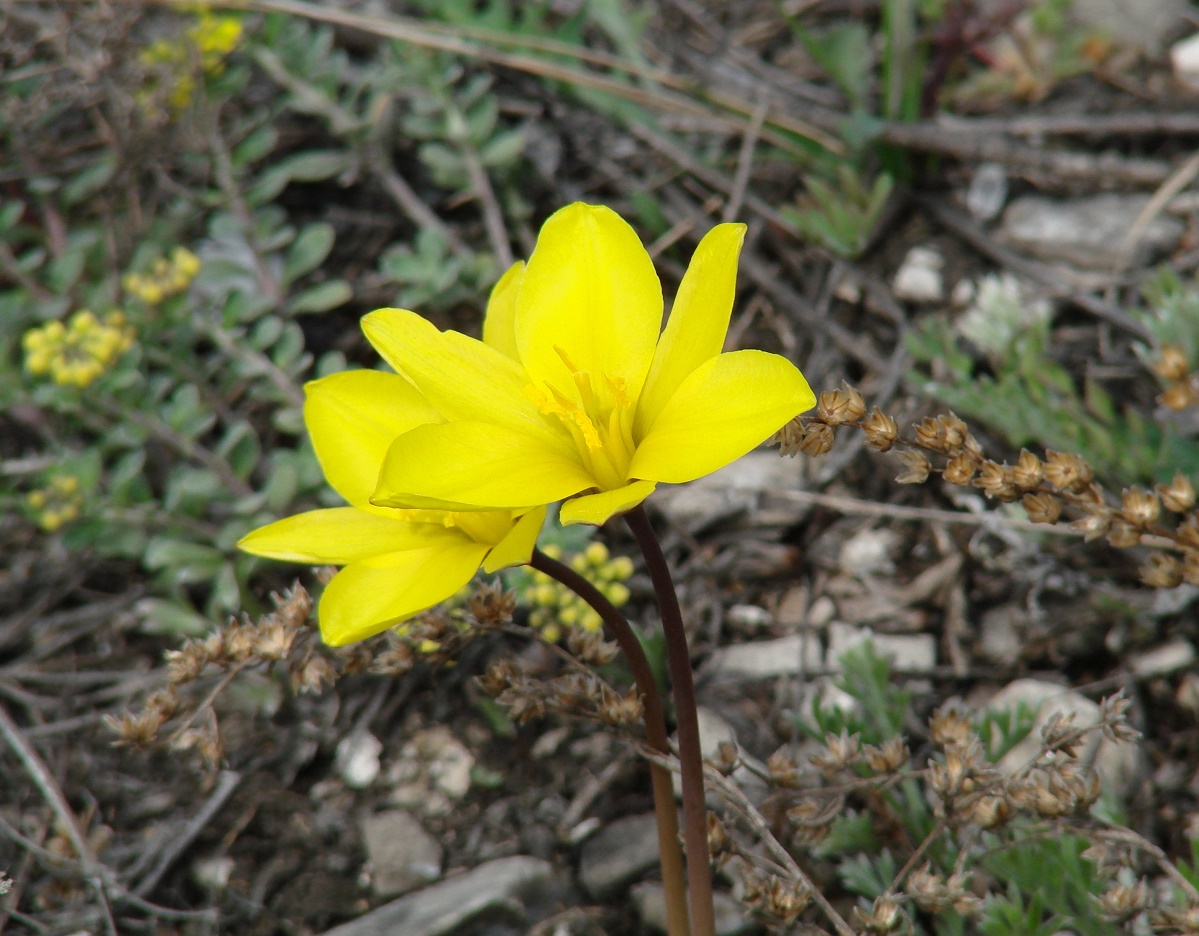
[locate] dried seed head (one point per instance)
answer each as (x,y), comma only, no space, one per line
(988,812)
(1041,507)
(274,639)
(617,709)
(1122,902)
(881,430)
(950,725)
(134,729)
(1190,567)
(1067,472)
(817,440)
(186,664)
(995,481)
(885,914)
(1171,363)
(313,675)
(774,898)
(783,770)
(841,751)
(294,606)
(930,435)
(491,606)
(888,758)
(841,406)
(816,812)
(955,431)
(1096,523)
(1028,472)
(240,641)
(1161,570)
(915,467)
(1123,534)
(1113,714)
(590,647)
(1188,531)
(726,757)
(789,437)
(959,469)
(1140,507)
(718,838)
(1059,733)
(1180,396)
(1179,495)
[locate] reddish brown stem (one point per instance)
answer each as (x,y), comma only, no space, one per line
(620,630)
(695,809)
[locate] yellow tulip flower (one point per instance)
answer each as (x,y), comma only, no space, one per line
(397,562)
(574,390)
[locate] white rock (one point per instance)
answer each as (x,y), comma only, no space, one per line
(402,855)
(649,900)
(747,615)
(1168,658)
(987,192)
(766,659)
(908,653)
(1138,24)
(963,293)
(739,488)
(357,759)
(1118,763)
(213,873)
(918,278)
(1000,639)
(1088,232)
(868,553)
(1184,59)
(445,906)
(617,854)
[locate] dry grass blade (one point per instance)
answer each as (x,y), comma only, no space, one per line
(479,44)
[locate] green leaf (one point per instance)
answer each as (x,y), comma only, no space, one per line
(308,251)
(312,166)
(91,180)
(257,145)
(503,149)
(169,618)
(321,298)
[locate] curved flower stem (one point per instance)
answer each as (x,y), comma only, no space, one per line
(618,627)
(695,810)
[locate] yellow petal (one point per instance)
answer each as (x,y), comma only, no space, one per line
(367,597)
(474,465)
(727,406)
(352,418)
(499,329)
(599,508)
(590,290)
(698,322)
(339,536)
(461,376)
(517,546)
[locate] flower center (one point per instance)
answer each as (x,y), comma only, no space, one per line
(599,417)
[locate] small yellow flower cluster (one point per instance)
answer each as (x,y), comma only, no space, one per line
(555,605)
(56,504)
(76,353)
(166,278)
(203,49)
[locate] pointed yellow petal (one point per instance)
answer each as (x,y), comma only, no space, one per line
(698,321)
(339,536)
(727,406)
(461,376)
(517,546)
(598,508)
(475,465)
(499,328)
(367,597)
(352,418)
(589,289)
